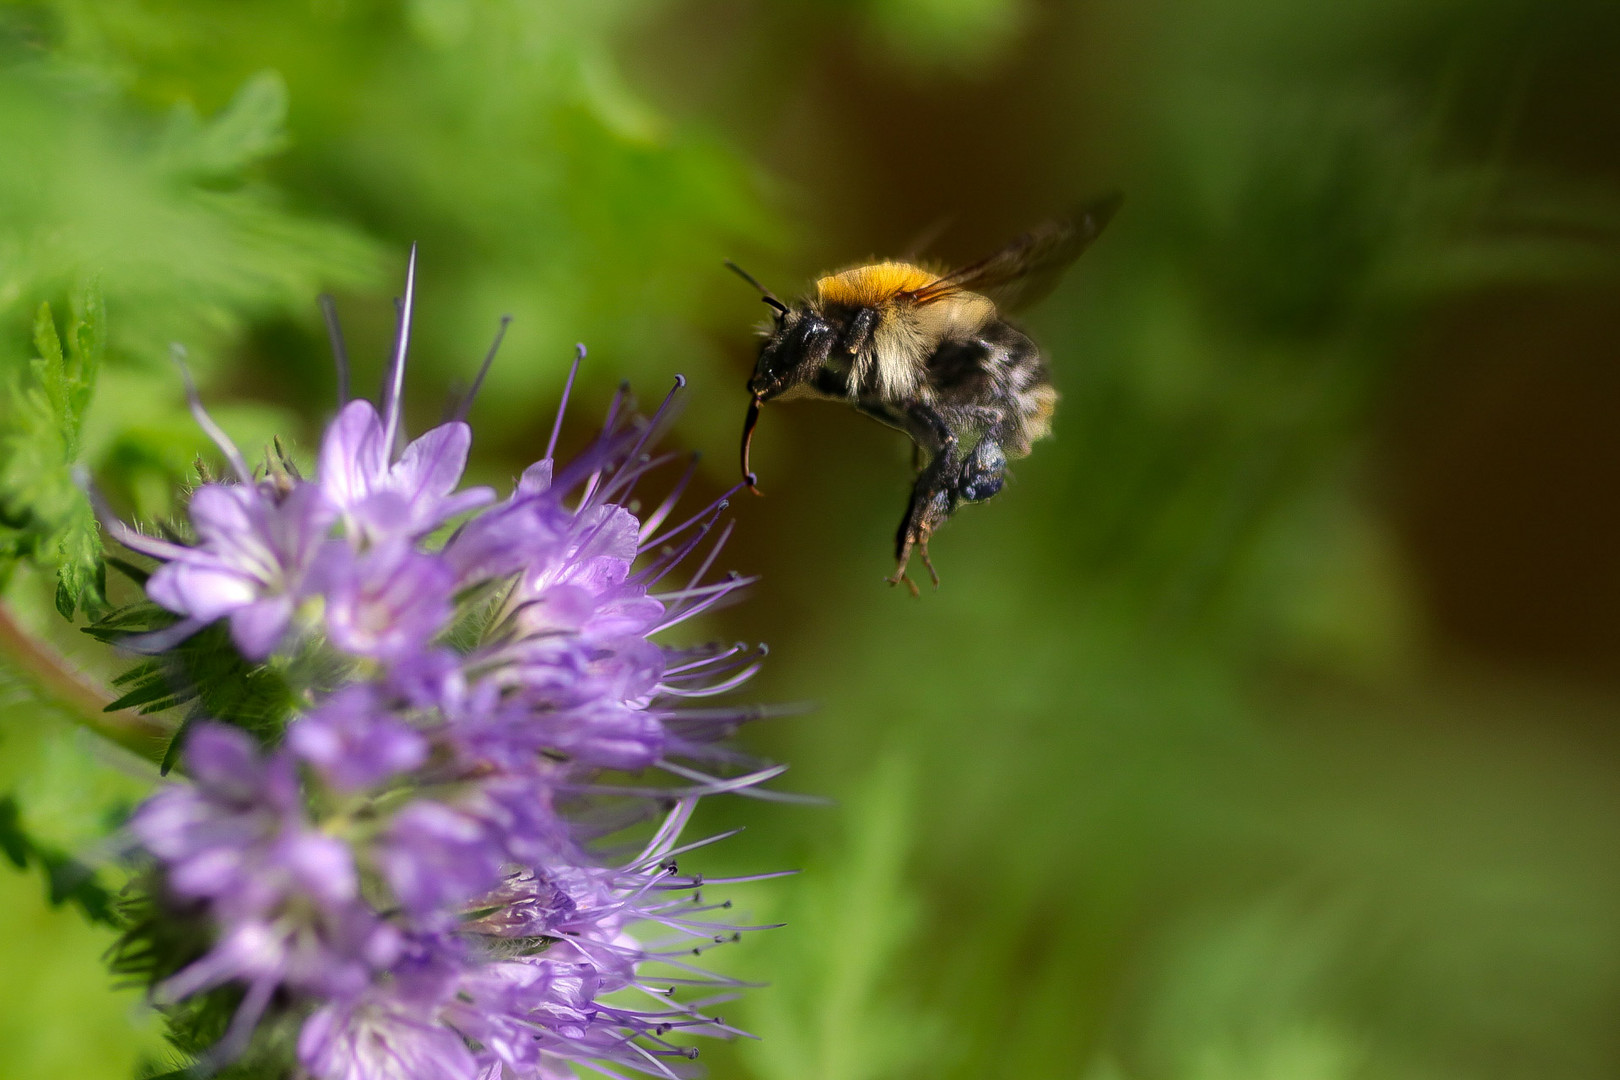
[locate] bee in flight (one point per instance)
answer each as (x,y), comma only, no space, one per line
(931,355)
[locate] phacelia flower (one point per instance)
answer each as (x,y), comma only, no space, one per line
(404,866)
(381,497)
(256,548)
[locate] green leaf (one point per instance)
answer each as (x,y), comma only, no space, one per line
(81,575)
(44,514)
(45,339)
(87,344)
(50,368)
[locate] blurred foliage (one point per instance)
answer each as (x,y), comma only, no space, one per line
(1167,782)
(500,135)
(837,1018)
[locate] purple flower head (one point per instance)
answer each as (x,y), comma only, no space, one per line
(414,874)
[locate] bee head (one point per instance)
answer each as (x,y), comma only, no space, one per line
(798,341)
(794,347)
(792,352)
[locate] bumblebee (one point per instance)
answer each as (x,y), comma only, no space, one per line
(931,355)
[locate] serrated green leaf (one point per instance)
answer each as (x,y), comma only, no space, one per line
(50,368)
(44,515)
(45,338)
(68,880)
(87,343)
(139,671)
(171,753)
(81,574)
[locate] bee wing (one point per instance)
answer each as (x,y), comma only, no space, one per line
(1027,269)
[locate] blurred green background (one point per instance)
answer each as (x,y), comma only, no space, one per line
(1264,729)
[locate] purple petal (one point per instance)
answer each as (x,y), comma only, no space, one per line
(536,479)
(305,517)
(436,857)
(214,872)
(225,511)
(322,865)
(462,501)
(201,587)
(504,540)
(387,514)
(352,455)
(258,628)
(224,759)
(353,744)
(431,466)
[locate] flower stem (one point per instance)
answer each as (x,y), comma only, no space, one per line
(55,678)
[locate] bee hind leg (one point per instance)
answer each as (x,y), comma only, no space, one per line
(900,576)
(928,564)
(907,542)
(983,473)
(932,500)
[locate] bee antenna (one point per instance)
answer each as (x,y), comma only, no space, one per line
(764,293)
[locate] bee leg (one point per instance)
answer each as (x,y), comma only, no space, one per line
(900,575)
(928,429)
(983,473)
(928,564)
(932,500)
(934,493)
(904,540)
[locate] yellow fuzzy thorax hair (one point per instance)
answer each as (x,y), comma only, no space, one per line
(874,285)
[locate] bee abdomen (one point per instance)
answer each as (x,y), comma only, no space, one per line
(1002,368)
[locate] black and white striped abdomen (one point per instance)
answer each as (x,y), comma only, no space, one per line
(998,368)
